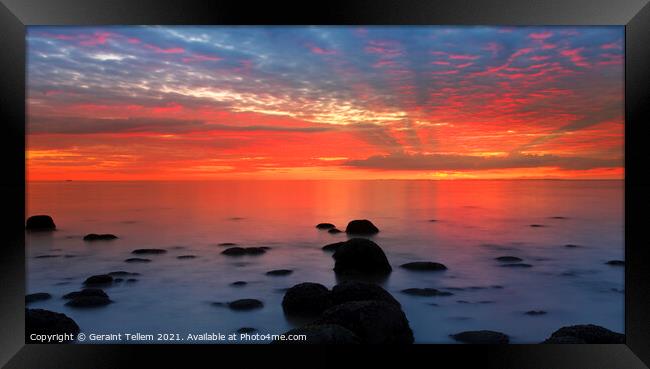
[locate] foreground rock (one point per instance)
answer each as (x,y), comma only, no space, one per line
(426,292)
(326,334)
(334,231)
(148,251)
(361,256)
(99,237)
(350,291)
(325,226)
(333,246)
(306,300)
(424,266)
(101,279)
(239,251)
(88,297)
(374,322)
(39,321)
(361,226)
(481,337)
(40,223)
(39,296)
(588,333)
(246,304)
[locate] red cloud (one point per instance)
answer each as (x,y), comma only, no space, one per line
(320,51)
(159,50)
(201,58)
(575,57)
(540,35)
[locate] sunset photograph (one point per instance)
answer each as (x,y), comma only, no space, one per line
(325,184)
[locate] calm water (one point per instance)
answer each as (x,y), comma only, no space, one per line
(476,222)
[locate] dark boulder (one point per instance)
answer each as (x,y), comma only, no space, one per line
(424,266)
(426,292)
(516,265)
(374,322)
(227,244)
(508,259)
(137,260)
(334,231)
(537,225)
(349,291)
(361,256)
(101,279)
(588,333)
(86,292)
(481,337)
(325,226)
(279,272)
(246,304)
(535,312)
(306,299)
(323,334)
(239,283)
(40,223)
(185,257)
(39,296)
(571,246)
(361,226)
(121,273)
(39,321)
(148,251)
(239,251)
(616,263)
(88,301)
(333,246)
(99,237)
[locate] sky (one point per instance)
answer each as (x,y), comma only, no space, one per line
(399,102)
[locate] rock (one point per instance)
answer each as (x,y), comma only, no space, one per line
(558,217)
(535,312)
(39,296)
(86,292)
(246,304)
(227,244)
(122,273)
(571,246)
(239,251)
(374,322)
(426,292)
(333,246)
(481,337)
(184,257)
(516,265)
(334,231)
(148,251)
(537,225)
(88,301)
(362,226)
(118,280)
(239,283)
(99,279)
(588,333)
(424,266)
(246,330)
(361,256)
(40,223)
(325,226)
(349,291)
(39,321)
(137,260)
(323,334)
(279,272)
(131,280)
(508,259)
(99,237)
(48,256)
(616,263)
(306,299)
(433,220)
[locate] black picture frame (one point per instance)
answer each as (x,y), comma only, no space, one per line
(15,15)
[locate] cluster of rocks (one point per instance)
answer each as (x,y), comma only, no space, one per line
(352,312)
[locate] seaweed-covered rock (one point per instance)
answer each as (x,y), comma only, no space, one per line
(587,333)
(374,322)
(481,337)
(361,226)
(361,256)
(40,223)
(39,321)
(306,299)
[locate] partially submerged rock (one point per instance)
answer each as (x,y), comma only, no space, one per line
(99,237)
(426,292)
(246,304)
(424,266)
(325,226)
(100,279)
(148,251)
(185,257)
(137,260)
(334,231)
(361,256)
(39,321)
(535,312)
(333,246)
(239,251)
(508,259)
(516,265)
(279,272)
(306,299)
(587,333)
(362,227)
(481,337)
(616,263)
(39,296)
(40,223)
(122,273)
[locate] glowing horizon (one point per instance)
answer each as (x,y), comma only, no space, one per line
(182,103)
